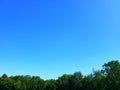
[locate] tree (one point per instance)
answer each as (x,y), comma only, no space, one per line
(98,81)
(75,81)
(111,71)
(50,85)
(6,83)
(63,82)
(36,83)
(106,79)
(87,82)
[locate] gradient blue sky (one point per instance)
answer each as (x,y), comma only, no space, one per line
(51,37)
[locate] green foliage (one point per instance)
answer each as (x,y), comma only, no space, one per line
(106,79)
(112,72)
(63,82)
(75,81)
(50,85)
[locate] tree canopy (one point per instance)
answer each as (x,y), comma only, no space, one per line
(106,79)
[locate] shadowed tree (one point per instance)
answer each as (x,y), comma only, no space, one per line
(50,85)
(111,71)
(75,81)
(63,82)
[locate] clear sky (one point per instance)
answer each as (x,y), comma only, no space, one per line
(48,38)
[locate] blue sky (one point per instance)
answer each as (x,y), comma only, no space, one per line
(51,37)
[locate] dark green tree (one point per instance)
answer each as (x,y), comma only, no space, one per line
(63,82)
(6,83)
(75,81)
(98,81)
(50,85)
(87,82)
(36,83)
(111,71)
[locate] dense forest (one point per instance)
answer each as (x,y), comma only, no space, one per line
(106,79)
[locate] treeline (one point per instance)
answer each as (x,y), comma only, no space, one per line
(106,79)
